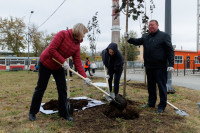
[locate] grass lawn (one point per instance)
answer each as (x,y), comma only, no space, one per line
(17,87)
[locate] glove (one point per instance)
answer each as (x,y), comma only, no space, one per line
(126,36)
(107,76)
(170,69)
(66,66)
(87,81)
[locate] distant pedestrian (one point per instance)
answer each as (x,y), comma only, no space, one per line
(87,66)
(93,67)
(36,68)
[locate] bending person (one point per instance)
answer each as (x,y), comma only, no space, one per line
(114,62)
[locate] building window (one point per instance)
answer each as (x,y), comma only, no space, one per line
(178,59)
(196,60)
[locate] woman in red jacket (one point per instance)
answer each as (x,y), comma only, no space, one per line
(65,43)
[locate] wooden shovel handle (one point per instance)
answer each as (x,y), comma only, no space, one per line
(106,79)
(83,78)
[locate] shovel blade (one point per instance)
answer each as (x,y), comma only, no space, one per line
(107,98)
(110,98)
(181,112)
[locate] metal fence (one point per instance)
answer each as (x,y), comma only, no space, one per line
(187,67)
(130,65)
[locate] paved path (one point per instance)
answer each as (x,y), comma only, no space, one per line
(188,81)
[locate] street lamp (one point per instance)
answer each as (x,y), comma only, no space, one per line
(29,38)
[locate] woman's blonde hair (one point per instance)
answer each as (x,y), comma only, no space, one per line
(79,30)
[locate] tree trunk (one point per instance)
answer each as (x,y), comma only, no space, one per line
(125,60)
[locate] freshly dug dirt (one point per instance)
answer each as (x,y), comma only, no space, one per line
(51,105)
(77,104)
(130,112)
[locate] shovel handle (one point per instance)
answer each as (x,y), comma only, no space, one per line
(106,79)
(172,105)
(84,78)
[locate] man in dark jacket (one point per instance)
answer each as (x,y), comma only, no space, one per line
(114,61)
(158,59)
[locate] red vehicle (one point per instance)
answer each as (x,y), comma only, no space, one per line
(18,63)
(199,55)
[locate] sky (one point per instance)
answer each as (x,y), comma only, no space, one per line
(184,18)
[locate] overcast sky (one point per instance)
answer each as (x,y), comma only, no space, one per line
(184,18)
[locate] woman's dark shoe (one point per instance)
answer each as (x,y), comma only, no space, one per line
(32,117)
(159,111)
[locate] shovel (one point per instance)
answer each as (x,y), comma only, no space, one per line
(178,111)
(111,94)
(117,102)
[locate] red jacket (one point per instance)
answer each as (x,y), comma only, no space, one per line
(61,47)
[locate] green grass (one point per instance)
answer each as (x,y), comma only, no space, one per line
(16,91)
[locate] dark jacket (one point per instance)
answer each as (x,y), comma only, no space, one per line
(71,63)
(115,62)
(158,50)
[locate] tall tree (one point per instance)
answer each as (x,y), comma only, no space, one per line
(131,49)
(134,9)
(36,40)
(94,30)
(12,32)
(46,40)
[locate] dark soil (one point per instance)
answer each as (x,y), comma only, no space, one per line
(77,104)
(108,118)
(51,105)
(111,111)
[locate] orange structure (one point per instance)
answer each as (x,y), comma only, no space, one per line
(186,59)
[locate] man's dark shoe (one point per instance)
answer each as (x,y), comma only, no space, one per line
(147,105)
(69,118)
(32,117)
(159,111)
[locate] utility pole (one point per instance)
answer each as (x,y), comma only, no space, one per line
(198,24)
(29,39)
(170,89)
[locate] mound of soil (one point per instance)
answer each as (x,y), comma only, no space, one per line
(129,113)
(51,105)
(77,104)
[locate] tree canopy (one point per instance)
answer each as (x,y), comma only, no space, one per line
(132,50)
(12,33)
